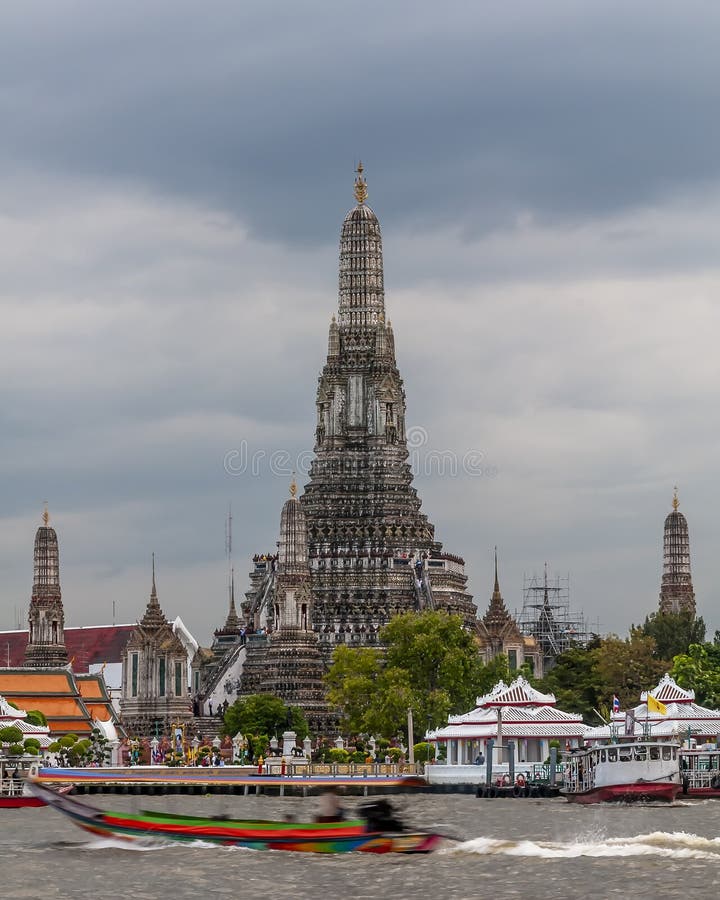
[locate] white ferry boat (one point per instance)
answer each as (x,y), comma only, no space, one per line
(626,771)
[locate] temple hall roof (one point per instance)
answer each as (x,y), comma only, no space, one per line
(524,712)
(86,646)
(682,714)
(54,692)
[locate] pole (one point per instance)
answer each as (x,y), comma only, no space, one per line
(489,746)
(511,761)
(553,765)
(499,734)
(411,748)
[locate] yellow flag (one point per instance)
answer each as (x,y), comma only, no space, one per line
(654,705)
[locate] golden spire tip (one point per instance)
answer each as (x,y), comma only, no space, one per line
(360,190)
(293,487)
(676,502)
(46,514)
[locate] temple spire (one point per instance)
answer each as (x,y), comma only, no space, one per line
(232,623)
(292,547)
(676,592)
(154,616)
(361,289)
(497,615)
(153,591)
(46,618)
(360,190)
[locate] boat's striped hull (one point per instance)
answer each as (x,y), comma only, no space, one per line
(326,837)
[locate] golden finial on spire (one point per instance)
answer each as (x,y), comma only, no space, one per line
(361,190)
(676,502)
(46,514)
(293,487)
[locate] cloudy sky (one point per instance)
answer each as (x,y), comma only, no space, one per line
(173,177)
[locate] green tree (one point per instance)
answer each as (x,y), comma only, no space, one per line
(673,633)
(73,751)
(576,683)
(394,695)
(264,714)
(10,734)
(424,752)
(430,665)
(36,717)
(440,654)
(498,669)
(627,667)
(352,683)
(699,670)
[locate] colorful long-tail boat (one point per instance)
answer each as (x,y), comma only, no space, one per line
(379,832)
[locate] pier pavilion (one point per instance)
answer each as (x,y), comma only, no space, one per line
(515,712)
(684,717)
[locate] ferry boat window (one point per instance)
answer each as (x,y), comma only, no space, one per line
(666,752)
(654,753)
(674,752)
(603,756)
(625,754)
(612,754)
(640,752)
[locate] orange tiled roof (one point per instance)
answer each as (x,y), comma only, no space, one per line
(54,692)
(94,693)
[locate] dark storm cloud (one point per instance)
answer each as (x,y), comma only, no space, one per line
(467,113)
(172,178)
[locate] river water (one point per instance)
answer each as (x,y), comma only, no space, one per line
(509,848)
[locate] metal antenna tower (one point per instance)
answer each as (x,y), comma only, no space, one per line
(228,549)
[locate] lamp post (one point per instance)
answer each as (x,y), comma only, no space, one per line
(411,737)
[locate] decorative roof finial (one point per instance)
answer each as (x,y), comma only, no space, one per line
(293,487)
(153,592)
(497,584)
(676,502)
(46,514)
(360,190)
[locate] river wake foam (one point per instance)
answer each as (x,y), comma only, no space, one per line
(669,845)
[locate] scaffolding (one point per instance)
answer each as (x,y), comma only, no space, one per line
(546,616)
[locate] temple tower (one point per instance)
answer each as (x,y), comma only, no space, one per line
(676,591)
(372,552)
(155,678)
(499,632)
(288,662)
(46,619)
